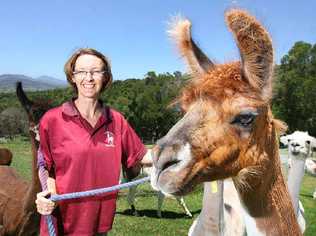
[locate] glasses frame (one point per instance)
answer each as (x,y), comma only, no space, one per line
(83,74)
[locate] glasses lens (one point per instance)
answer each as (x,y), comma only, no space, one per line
(97,74)
(80,74)
(84,74)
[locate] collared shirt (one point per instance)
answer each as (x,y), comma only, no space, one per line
(82,158)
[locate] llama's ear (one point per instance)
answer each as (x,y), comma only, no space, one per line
(313,142)
(26,103)
(180,31)
(255,46)
(285,140)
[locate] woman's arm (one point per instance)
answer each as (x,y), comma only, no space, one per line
(51,185)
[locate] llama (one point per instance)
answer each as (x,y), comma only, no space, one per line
(220,214)
(310,166)
(228,129)
(300,146)
(160,198)
(18,215)
(5,156)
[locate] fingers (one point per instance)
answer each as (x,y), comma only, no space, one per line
(45,211)
(44,206)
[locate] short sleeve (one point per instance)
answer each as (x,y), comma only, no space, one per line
(44,144)
(132,147)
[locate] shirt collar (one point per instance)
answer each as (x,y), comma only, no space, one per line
(69,109)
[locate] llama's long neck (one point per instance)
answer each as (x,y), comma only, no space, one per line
(35,186)
(295,177)
(211,219)
(271,209)
(30,219)
(266,199)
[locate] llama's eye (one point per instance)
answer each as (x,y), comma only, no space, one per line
(245,119)
(308,142)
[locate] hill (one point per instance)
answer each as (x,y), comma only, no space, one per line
(8,81)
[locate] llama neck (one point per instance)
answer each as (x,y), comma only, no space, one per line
(266,199)
(30,219)
(35,186)
(271,209)
(211,219)
(295,177)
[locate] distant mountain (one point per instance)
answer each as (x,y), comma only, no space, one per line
(8,81)
(52,80)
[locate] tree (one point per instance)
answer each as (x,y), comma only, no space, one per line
(13,121)
(295,88)
(143,102)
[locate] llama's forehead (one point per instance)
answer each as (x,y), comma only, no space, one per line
(225,71)
(224,87)
(299,136)
(226,80)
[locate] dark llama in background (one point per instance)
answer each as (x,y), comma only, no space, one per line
(5,156)
(18,215)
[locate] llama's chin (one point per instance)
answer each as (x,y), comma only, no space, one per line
(173,171)
(296,153)
(172,181)
(164,181)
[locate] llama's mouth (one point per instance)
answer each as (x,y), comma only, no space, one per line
(295,152)
(172,182)
(163,178)
(172,175)
(170,165)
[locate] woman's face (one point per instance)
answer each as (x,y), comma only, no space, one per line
(88,76)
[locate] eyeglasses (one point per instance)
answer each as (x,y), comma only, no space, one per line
(82,74)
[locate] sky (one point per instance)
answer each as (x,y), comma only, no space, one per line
(37,37)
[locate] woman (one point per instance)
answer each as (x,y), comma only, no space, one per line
(84,144)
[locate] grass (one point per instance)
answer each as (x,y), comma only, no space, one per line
(22,155)
(174,221)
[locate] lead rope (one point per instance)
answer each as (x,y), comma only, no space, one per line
(56,197)
(43,175)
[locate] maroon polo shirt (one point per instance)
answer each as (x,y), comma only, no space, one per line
(83,158)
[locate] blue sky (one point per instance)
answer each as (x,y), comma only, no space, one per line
(37,37)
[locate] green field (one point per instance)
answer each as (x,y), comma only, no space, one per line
(174,221)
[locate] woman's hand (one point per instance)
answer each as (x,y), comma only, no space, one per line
(44,206)
(147,160)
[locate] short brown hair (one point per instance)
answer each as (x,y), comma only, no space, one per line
(70,66)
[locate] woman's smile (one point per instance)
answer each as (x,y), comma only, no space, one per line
(88,86)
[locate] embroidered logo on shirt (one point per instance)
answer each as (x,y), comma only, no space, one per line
(109,139)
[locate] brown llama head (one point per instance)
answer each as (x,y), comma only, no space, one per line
(227,129)
(34,110)
(5,156)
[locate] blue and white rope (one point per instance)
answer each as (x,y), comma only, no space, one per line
(59,197)
(43,175)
